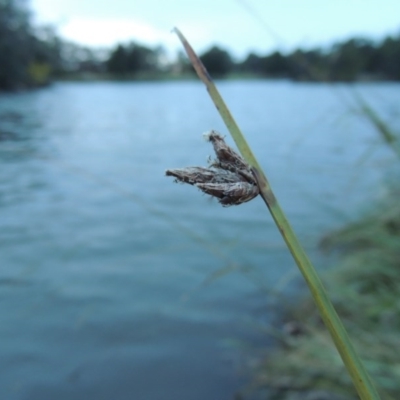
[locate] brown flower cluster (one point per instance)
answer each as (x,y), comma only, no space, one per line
(228,178)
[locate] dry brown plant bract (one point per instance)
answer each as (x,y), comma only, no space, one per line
(228,178)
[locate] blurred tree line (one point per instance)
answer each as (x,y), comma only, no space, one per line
(26,54)
(352,60)
(33,56)
(355,59)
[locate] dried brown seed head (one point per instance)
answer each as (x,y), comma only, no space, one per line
(230,193)
(228,159)
(193,175)
(229,177)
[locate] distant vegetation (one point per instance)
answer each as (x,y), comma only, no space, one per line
(26,54)
(33,56)
(352,60)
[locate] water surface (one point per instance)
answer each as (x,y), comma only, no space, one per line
(113,280)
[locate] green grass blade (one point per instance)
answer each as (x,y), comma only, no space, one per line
(353,363)
(387,135)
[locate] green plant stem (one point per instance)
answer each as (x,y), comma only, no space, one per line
(387,135)
(353,363)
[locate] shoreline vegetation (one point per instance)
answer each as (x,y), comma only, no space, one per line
(34,56)
(366,62)
(365,284)
(171,77)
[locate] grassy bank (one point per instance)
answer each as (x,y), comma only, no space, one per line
(365,287)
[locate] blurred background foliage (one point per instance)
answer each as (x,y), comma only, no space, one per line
(34,55)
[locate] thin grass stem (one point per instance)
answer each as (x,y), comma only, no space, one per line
(353,363)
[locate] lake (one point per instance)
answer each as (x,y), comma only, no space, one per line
(117,283)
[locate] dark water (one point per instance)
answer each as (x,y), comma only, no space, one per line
(116,283)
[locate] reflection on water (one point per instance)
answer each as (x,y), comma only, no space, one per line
(116,283)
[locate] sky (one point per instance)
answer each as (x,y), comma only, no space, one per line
(240,26)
